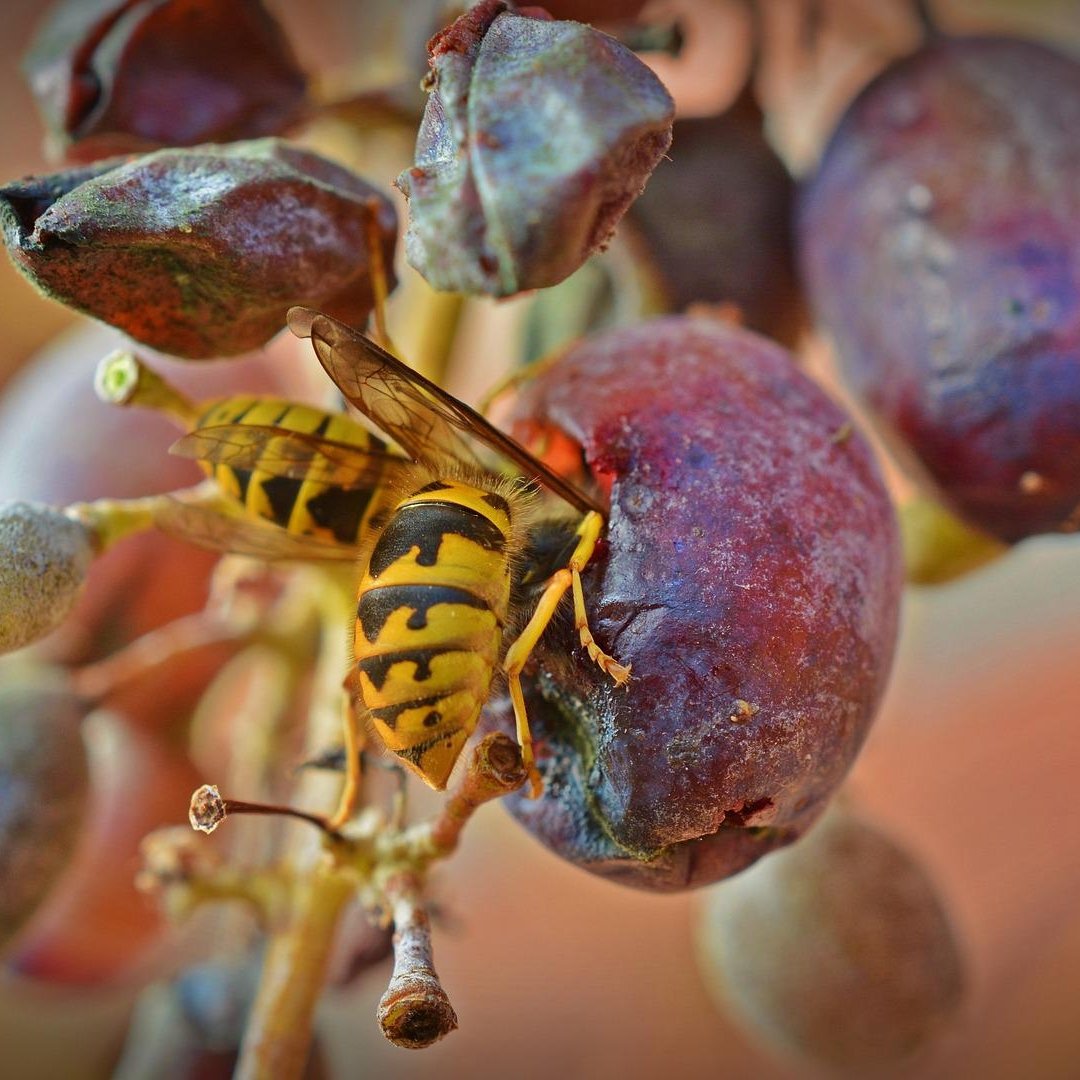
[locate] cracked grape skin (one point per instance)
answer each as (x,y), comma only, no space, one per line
(939,243)
(750,574)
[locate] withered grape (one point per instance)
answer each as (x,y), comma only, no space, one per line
(838,950)
(43,792)
(750,575)
(941,243)
(536,137)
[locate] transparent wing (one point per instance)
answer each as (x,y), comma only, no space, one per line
(224,526)
(428,423)
(295,454)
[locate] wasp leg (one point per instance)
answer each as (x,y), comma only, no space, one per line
(588,532)
(354,740)
(569,577)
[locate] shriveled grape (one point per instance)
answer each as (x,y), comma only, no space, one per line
(838,949)
(43,787)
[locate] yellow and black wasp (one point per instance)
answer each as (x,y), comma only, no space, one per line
(440,535)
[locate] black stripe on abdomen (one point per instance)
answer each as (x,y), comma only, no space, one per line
(376,668)
(388,714)
(423,525)
(378,604)
(340,510)
(282,493)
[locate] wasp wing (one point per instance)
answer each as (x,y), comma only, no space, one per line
(428,423)
(294,454)
(224,526)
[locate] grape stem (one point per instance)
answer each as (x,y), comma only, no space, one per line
(278,1036)
(390,869)
(415,1010)
(927,22)
(196,631)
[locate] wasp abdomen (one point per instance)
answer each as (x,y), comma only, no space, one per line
(430,616)
(298,505)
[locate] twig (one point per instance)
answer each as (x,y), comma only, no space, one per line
(278,1037)
(495,769)
(427,324)
(123,379)
(94,681)
(415,1011)
(110,520)
(378,276)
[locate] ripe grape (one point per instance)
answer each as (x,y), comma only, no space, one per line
(939,240)
(750,575)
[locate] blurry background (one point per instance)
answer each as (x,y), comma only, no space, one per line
(971,765)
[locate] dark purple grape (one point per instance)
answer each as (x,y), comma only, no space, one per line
(715,218)
(119,75)
(941,244)
(751,576)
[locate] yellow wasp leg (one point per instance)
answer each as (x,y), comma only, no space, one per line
(520,651)
(350,791)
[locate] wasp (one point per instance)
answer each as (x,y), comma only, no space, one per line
(442,534)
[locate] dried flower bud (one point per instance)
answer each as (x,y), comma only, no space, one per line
(45,559)
(170,856)
(201,252)
(43,786)
(837,949)
(537,136)
(207,810)
(119,75)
